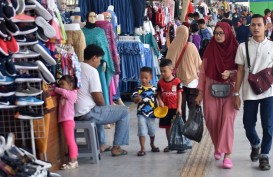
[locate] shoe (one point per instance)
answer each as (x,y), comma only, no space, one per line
(3,47)
(45,53)
(24,40)
(8,10)
(28,54)
(70,165)
(5,80)
(28,65)
(119,152)
(40,10)
(7,90)
(12,45)
(10,68)
(217,155)
(255,153)
(23,18)
(26,78)
(227,163)
(28,115)
(28,101)
(45,73)
(7,102)
(27,91)
(15,4)
(40,35)
(264,163)
(48,30)
(26,28)
(11,27)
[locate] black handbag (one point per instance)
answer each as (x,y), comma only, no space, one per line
(220,89)
(261,81)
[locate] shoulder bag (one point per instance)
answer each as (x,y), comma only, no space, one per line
(220,90)
(180,58)
(261,81)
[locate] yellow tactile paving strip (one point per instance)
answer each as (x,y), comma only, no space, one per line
(197,162)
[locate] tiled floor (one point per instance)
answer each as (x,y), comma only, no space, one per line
(167,164)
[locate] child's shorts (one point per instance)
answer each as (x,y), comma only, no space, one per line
(146,125)
(167,121)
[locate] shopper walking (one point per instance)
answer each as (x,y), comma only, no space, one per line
(219,67)
(261,57)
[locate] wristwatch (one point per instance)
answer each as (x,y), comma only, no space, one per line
(236,94)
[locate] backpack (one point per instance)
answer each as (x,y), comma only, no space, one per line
(203,46)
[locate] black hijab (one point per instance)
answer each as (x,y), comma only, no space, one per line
(88,24)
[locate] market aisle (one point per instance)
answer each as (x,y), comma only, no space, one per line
(152,165)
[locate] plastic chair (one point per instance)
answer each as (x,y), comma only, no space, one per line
(91,140)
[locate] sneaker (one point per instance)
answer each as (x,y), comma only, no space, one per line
(23,50)
(15,4)
(23,18)
(45,53)
(8,10)
(28,65)
(27,54)
(70,165)
(10,68)
(26,78)
(46,74)
(264,163)
(3,47)
(217,155)
(12,45)
(20,38)
(7,90)
(11,27)
(28,101)
(255,153)
(28,91)
(29,114)
(7,102)
(26,28)
(6,80)
(48,30)
(40,35)
(40,10)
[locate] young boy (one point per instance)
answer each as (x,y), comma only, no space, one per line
(169,93)
(144,96)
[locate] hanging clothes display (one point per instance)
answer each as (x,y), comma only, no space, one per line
(123,10)
(97,36)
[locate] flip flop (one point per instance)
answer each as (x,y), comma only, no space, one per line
(109,148)
(141,153)
(155,149)
(166,149)
(122,152)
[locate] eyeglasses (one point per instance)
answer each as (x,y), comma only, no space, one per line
(108,17)
(218,33)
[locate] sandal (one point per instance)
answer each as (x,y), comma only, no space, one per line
(166,149)
(155,149)
(70,165)
(141,153)
(120,152)
(109,148)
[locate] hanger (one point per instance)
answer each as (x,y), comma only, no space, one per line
(129,38)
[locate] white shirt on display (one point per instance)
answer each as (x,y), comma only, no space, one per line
(261,57)
(90,82)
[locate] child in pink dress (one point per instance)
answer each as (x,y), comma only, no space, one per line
(66,117)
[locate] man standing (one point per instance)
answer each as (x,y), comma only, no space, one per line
(261,57)
(90,105)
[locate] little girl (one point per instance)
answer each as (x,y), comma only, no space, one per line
(66,117)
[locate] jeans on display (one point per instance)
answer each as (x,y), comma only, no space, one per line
(250,119)
(138,9)
(188,98)
(102,115)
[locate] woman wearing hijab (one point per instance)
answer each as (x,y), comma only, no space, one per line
(219,67)
(188,69)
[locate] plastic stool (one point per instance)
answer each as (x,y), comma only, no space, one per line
(91,139)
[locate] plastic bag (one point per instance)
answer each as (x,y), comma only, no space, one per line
(193,128)
(177,141)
